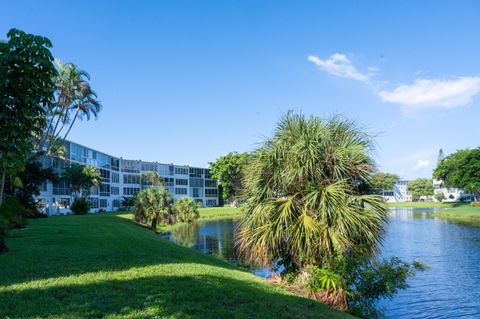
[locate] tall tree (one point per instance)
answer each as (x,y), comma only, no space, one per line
(461,169)
(27,87)
(302,204)
(81,178)
(153,206)
(229,170)
(383,182)
(420,187)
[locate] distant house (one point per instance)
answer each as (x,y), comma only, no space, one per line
(451,194)
(398,193)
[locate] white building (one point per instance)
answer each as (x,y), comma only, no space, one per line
(451,194)
(121,178)
(399,192)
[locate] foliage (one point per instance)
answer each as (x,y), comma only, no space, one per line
(461,169)
(4,227)
(382,181)
(439,196)
(14,212)
(303,206)
(475,204)
(31,178)
(186,209)
(420,187)
(129,201)
(229,170)
(80,206)
(323,279)
(81,178)
(26,82)
(153,206)
(73,96)
(151,179)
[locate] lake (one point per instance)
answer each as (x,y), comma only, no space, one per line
(449,289)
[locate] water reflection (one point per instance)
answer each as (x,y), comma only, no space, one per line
(449,289)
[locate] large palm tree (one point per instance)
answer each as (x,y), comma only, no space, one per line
(152,206)
(303,201)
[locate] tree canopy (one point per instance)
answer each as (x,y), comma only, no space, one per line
(420,187)
(229,170)
(27,91)
(461,169)
(382,181)
(81,178)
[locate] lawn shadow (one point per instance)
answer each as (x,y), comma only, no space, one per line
(206,296)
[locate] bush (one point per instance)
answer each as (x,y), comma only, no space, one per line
(4,227)
(153,206)
(13,212)
(186,210)
(440,196)
(80,206)
(475,204)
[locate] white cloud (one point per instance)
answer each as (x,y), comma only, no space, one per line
(339,65)
(422,164)
(431,93)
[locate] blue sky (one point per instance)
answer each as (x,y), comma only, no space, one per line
(188,81)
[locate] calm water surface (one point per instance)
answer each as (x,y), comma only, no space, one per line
(449,289)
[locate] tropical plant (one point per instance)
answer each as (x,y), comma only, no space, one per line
(229,170)
(420,187)
(73,97)
(80,206)
(186,210)
(27,87)
(461,170)
(302,201)
(81,178)
(4,226)
(150,179)
(153,206)
(439,196)
(14,212)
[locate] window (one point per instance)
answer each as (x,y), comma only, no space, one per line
(211,202)
(197,192)
(115,164)
(207,173)
(149,166)
(115,177)
(62,202)
(104,189)
(62,188)
(44,187)
(210,192)
(116,203)
(93,202)
(210,183)
(114,190)
(131,179)
(103,202)
(181,181)
(130,166)
(130,190)
(94,190)
(180,191)
(196,182)
(181,170)
(104,175)
(168,181)
(196,172)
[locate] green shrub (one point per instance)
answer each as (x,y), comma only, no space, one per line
(475,204)
(80,206)
(4,227)
(13,212)
(186,209)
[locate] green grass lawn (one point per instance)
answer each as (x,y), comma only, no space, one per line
(422,205)
(105,266)
(463,214)
(219,213)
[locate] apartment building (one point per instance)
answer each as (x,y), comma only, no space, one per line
(121,178)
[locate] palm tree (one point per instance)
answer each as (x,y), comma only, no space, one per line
(303,201)
(150,179)
(152,206)
(81,178)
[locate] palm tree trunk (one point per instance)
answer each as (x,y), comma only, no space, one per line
(75,117)
(2,183)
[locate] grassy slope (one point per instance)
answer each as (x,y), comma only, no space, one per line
(422,204)
(105,266)
(219,213)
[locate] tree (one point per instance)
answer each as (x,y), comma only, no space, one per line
(420,187)
(186,209)
(439,196)
(229,170)
(383,182)
(27,87)
(81,178)
(153,206)
(461,170)
(302,204)
(73,96)
(151,179)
